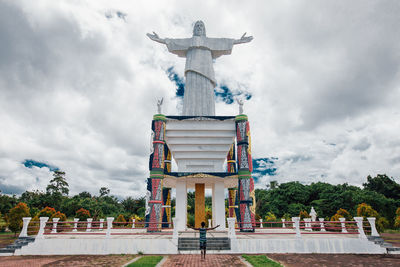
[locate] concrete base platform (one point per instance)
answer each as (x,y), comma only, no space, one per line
(163,243)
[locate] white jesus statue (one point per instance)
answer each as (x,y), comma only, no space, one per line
(199,51)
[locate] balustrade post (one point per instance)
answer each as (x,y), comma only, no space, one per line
(43,221)
(89,224)
(371,221)
(321,224)
(342,220)
(109,226)
(175,231)
(24,231)
(296,225)
(75,225)
(133,223)
(283,223)
(359,221)
(307,224)
(209,223)
(101,224)
(261,224)
(55,221)
(231,228)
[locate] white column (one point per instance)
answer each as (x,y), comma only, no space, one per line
(75,224)
(43,221)
(231,228)
(181,205)
(342,220)
(307,224)
(219,205)
(261,225)
(371,221)
(359,221)
(296,225)
(24,231)
(133,223)
(109,226)
(321,224)
(55,221)
(175,231)
(89,224)
(283,223)
(101,224)
(209,223)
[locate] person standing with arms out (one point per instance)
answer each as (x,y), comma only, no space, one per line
(203,237)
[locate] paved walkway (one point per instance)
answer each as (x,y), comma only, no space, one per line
(210,261)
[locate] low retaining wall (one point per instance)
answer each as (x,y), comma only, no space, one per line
(115,245)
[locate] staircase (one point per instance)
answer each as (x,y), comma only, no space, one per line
(20,242)
(213,243)
(389,247)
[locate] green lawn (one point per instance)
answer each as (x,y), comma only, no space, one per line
(146,261)
(261,261)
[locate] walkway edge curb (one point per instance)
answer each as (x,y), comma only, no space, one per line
(248,264)
(161,262)
(133,260)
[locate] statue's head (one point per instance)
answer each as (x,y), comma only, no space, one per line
(199,29)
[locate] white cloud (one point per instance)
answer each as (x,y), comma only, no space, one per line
(78,86)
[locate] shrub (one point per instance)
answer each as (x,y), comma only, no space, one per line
(15,217)
(341,213)
(82,214)
(121,220)
(365,210)
(270,217)
(47,212)
(304,214)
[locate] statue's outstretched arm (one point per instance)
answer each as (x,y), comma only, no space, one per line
(156,38)
(243,39)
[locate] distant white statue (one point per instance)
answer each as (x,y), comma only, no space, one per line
(159,104)
(199,52)
(240,102)
(313,214)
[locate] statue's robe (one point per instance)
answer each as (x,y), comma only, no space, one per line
(199,72)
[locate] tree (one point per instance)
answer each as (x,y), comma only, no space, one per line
(82,214)
(58,185)
(84,194)
(47,212)
(15,217)
(384,185)
(341,213)
(104,191)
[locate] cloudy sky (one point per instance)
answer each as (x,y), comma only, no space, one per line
(79,82)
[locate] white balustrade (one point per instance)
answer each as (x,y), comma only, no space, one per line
(55,221)
(133,223)
(42,225)
(371,221)
(283,223)
(231,228)
(89,224)
(321,224)
(209,223)
(101,224)
(76,220)
(175,231)
(307,224)
(359,221)
(296,225)
(342,220)
(261,224)
(24,231)
(109,226)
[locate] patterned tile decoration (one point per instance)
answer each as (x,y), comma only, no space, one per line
(166,208)
(154,197)
(246,196)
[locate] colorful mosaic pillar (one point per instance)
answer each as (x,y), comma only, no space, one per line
(232,201)
(245,182)
(166,208)
(156,166)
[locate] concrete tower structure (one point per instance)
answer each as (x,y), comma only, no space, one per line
(200,142)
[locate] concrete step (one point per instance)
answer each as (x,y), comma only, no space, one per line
(19,243)
(213,243)
(6,250)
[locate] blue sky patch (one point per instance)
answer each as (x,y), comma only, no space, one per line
(179,82)
(30,163)
(263,167)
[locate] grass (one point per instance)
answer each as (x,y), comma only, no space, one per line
(146,261)
(261,261)
(392,231)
